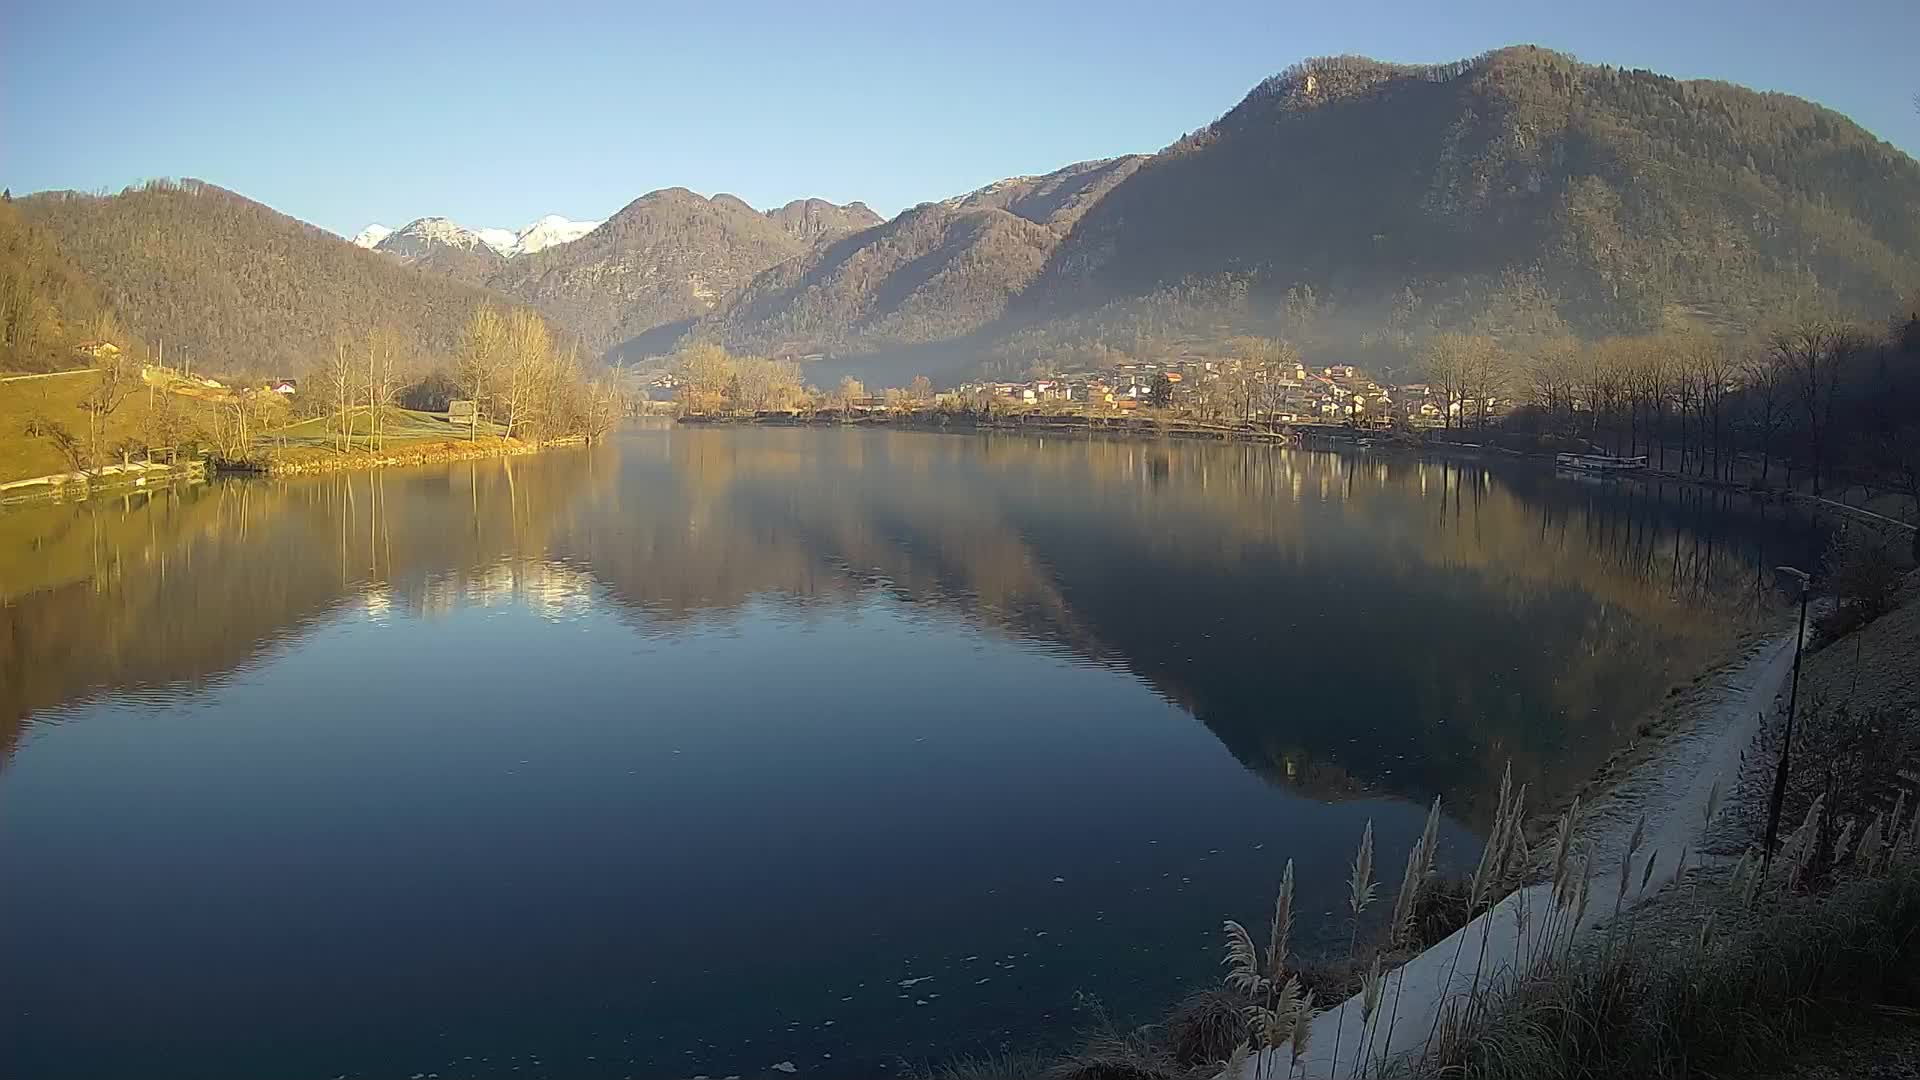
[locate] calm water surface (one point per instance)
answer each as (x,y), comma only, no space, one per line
(707,751)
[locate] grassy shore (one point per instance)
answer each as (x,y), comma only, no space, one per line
(25,403)
(318,444)
(303,460)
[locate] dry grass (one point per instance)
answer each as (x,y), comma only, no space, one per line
(1206,1027)
(1755,965)
(1105,1054)
(305,459)
(991,1067)
(1443,906)
(1725,1003)
(25,402)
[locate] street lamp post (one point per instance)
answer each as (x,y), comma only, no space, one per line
(1786,746)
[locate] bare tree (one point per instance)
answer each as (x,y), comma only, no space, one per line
(706,373)
(758,384)
(850,391)
(1468,370)
(1814,355)
(1481,375)
(117,377)
(604,407)
(1553,369)
(1767,404)
(232,425)
(483,360)
(529,356)
(385,346)
(1709,369)
(336,380)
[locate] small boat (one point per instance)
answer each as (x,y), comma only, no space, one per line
(1599,463)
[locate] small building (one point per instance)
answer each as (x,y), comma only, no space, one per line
(98,350)
(285,387)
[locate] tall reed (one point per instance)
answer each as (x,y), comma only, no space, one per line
(1276,1006)
(1360,890)
(1420,863)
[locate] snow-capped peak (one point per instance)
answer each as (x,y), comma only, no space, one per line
(504,241)
(550,231)
(413,238)
(417,236)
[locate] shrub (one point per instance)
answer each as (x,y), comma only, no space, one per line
(1205,1028)
(1853,756)
(1443,906)
(1837,623)
(1724,1006)
(1863,568)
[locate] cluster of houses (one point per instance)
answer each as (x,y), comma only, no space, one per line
(1335,393)
(1331,393)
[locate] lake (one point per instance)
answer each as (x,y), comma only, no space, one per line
(706,751)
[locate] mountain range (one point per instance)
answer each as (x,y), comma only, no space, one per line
(1350,204)
(422,233)
(935,272)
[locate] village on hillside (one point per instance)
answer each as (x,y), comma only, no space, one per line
(1211,388)
(1337,393)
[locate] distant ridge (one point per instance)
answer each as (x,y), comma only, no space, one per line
(1515,193)
(666,257)
(238,286)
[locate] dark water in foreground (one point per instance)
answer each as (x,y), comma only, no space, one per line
(712,750)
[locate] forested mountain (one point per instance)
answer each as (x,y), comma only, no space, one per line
(667,257)
(936,272)
(1615,198)
(47,305)
(237,286)
(1516,192)
(932,273)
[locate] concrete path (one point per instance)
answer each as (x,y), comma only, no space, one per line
(1671,789)
(45,375)
(136,469)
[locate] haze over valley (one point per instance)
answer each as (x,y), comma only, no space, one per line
(1517,193)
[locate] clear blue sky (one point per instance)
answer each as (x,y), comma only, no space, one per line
(343,113)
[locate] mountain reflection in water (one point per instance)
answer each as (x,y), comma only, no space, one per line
(1351,622)
(709,749)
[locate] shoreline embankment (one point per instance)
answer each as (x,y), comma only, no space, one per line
(309,461)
